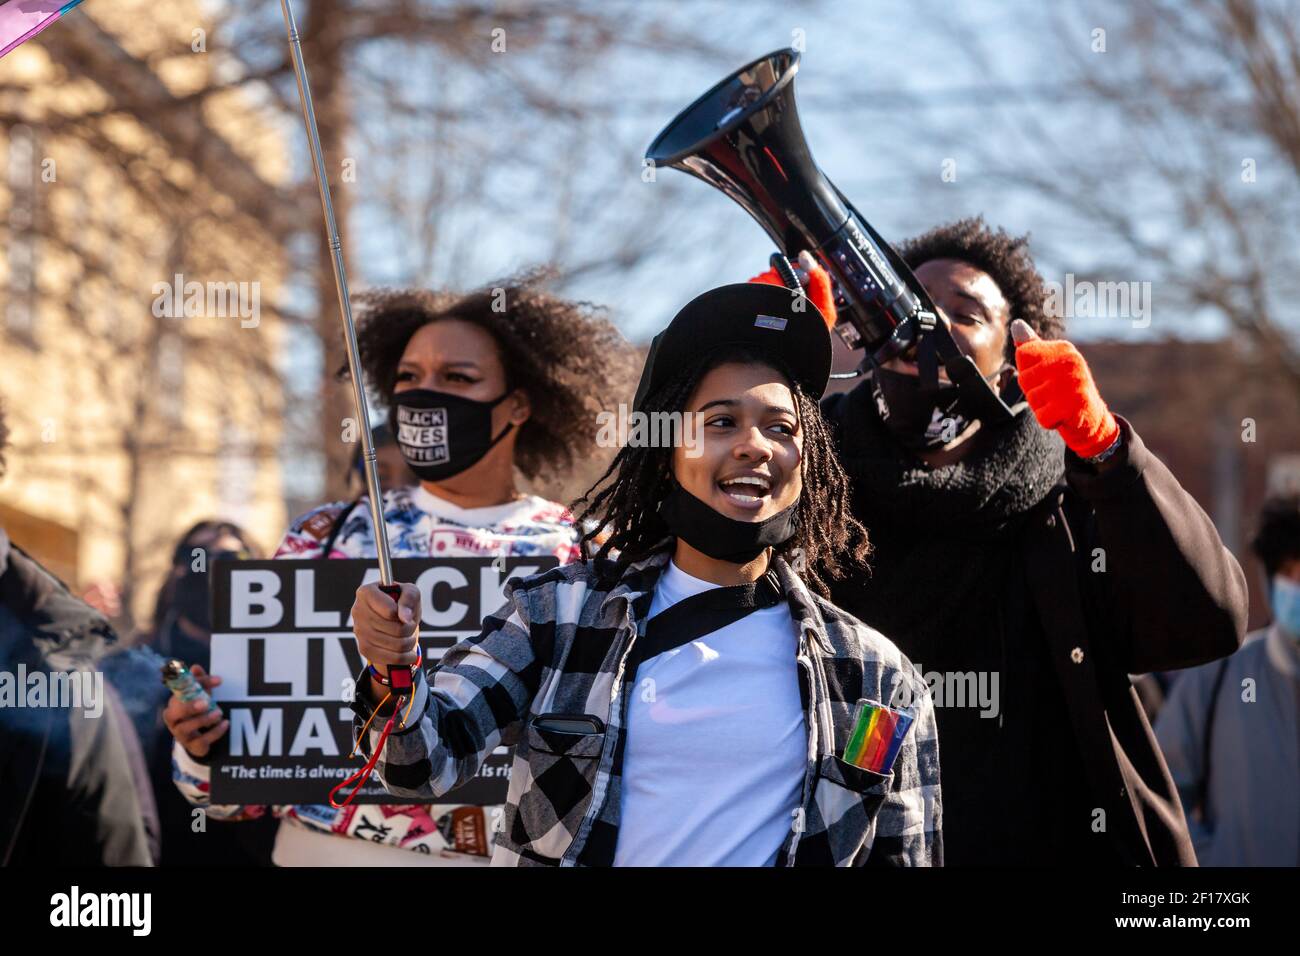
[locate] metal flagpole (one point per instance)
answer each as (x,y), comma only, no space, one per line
(345,304)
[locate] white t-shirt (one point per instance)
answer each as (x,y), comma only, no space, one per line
(716,743)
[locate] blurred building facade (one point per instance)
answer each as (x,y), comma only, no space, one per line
(141,263)
(1227,424)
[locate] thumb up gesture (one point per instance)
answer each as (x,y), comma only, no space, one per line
(1059,388)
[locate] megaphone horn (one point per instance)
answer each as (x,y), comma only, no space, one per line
(743,137)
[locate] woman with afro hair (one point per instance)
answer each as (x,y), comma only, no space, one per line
(482,388)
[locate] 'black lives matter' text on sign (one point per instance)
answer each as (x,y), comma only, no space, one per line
(282,644)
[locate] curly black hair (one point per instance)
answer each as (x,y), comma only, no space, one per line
(1277,539)
(568,358)
(1004,257)
(620,511)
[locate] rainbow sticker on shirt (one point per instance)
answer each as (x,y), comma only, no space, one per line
(877,736)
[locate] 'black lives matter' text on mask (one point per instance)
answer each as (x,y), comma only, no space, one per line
(440,434)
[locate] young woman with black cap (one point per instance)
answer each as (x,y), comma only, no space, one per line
(686,696)
(480,387)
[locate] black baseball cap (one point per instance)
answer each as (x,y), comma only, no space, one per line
(769,319)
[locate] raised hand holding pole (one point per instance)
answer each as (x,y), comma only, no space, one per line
(399,676)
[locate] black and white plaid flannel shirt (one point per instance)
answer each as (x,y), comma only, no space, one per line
(558,647)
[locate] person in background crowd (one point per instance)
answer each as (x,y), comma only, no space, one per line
(518,388)
(1051,553)
(182,616)
(181,628)
(70,793)
(1231,731)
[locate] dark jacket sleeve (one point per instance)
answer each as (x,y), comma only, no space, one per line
(102,820)
(1177,595)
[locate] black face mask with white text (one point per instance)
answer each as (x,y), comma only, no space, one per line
(440,434)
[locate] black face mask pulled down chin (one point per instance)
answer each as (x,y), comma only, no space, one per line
(726,539)
(440,434)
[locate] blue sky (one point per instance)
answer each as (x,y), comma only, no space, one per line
(887,92)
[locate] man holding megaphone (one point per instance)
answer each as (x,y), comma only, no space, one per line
(1059,570)
(1030,552)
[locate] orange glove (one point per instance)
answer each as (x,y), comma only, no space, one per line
(818,288)
(1059,388)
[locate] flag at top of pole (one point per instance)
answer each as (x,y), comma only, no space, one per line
(20,20)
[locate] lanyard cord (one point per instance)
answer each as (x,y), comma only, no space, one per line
(362,775)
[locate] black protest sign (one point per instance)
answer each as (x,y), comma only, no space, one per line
(282,644)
